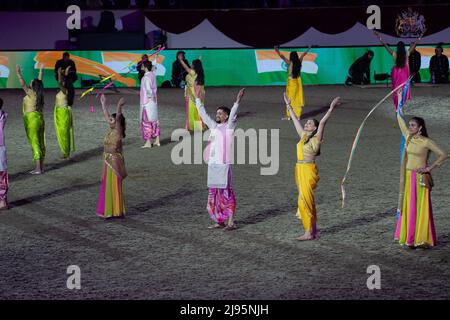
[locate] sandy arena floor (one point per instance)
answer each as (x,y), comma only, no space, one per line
(164,250)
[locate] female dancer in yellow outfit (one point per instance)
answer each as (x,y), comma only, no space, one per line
(63,117)
(294,89)
(33,118)
(415,225)
(306,174)
(195,77)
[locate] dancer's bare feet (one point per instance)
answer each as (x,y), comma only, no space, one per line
(216,226)
(3,205)
(36,172)
(147,144)
(307,236)
(230,227)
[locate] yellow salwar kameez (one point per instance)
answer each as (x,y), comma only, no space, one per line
(64,124)
(34,123)
(415,224)
(294,91)
(306,179)
(193,120)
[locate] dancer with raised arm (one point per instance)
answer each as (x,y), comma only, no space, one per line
(148,114)
(306,173)
(415,224)
(111,203)
(195,77)
(63,116)
(33,117)
(294,88)
(400,71)
(221,199)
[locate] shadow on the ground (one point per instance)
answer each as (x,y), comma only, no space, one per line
(51,194)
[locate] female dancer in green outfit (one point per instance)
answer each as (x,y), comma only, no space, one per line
(63,116)
(33,118)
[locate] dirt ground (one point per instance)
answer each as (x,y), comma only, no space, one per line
(163,248)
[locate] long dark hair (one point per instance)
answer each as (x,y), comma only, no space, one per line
(38,87)
(421,123)
(401,55)
(316,123)
(122,123)
(296,64)
(198,68)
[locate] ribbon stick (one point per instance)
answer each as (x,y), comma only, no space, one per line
(86,92)
(103,89)
(358,135)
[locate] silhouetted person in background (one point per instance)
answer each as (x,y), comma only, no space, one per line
(359,72)
(439,66)
(414,65)
(70,78)
(107,22)
(178,72)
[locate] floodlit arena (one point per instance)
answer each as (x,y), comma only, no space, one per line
(150,233)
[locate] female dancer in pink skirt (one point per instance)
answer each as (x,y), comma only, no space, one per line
(400,71)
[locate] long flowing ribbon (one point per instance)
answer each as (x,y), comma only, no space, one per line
(356,140)
(158,49)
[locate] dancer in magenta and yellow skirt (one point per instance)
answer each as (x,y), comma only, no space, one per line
(415,224)
(306,173)
(400,70)
(111,203)
(294,88)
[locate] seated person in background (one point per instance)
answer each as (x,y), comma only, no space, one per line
(439,66)
(414,65)
(178,72)
(71,75)
(359,72)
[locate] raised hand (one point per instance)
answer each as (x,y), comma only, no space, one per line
(121,102)
(336,101)
(18,70)
(240,95)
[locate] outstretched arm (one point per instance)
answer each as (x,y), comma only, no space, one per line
(304,53)
(41,66)
(297,124)
(391,52)
(104,108)
(19,75)
(120,105)
(401,122)
(201,109)
(235,107)
(286,60)
(414,44)
(185,66)
(325,118)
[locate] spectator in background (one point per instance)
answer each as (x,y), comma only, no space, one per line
(359,72)
(107,22)
(70,78)
(439,66)
(178,72)
(414,65)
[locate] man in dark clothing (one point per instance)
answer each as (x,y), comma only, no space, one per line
(359,72)
(178,72)
(70,78)
(439,66)
(414,65)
